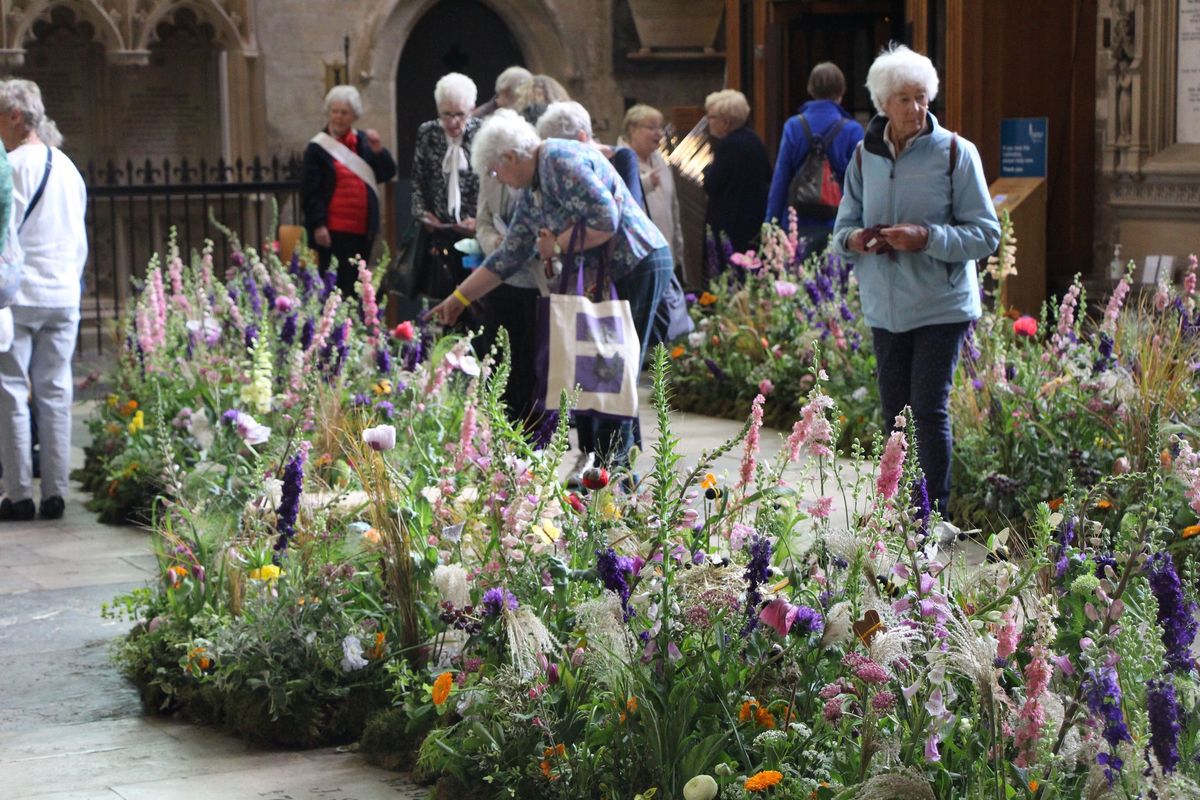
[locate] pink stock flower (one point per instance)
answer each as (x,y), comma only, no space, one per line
(1115,304)
(812,433)
(1187,467)
(779,614)
(821,508)
(466,437)
(1009,635)
(752,440)
(891,466)
(786,288)
(366,289)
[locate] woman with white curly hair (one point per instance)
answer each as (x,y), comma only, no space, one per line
(914,216)
(445,190)
(338,192)
(566,183)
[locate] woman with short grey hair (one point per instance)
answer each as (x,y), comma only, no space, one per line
(49,202)
(508,83)
(914,250)
(568,184)
(338,191)
(445,191)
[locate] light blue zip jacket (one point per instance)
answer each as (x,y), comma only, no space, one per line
(937,285)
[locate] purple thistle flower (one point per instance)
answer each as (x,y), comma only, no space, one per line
(1163,709)
(1103,694)
(758,572)
(306,333)
(289,504)
(1174,612)
(495,600)
(614,572)
(386,409)
(288,333)
(808,622)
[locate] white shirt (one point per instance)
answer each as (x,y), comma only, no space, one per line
(54,237)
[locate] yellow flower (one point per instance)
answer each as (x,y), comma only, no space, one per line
(547,531)
(707,299)
(761,781)
(137,423)
(1190,531)
(267,572)
(383,387)
(709,482)
(441,688)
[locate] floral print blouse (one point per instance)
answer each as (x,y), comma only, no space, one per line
(429,182)
(573,182)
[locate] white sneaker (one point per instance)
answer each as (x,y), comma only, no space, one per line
(582,462)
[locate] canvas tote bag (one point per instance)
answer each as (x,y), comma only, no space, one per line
(588,346)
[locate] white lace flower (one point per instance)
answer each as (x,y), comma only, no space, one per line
(352,654)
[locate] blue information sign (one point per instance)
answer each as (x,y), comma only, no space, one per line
(1023,147)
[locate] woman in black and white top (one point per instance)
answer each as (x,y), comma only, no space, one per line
(49,205)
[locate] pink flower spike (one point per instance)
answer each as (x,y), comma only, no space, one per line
(931,748)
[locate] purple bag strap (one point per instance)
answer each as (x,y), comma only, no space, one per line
(574,255)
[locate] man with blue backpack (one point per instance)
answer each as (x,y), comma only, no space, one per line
(817,145)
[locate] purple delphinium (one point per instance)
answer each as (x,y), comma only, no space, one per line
(1104,560)
(1104,354)
(306,332)
(716,370)
(921,506)
(383,360)
(1066,538)
(614,572)
(252,294)
(289,504)
(758,572)
(1174,612)
(287,333)
(269,294)
(712,259)
(328,284)
(495,600)
(808,622)
(1103,694)
(1163,709)
(386,409)
(250,335)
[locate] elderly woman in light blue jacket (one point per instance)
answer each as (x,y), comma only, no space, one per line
(915,215)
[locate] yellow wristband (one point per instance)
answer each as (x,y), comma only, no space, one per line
(462,298)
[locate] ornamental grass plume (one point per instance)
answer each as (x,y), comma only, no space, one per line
(900,785)
(528,638)
(1175,613)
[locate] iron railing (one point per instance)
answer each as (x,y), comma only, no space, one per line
(131,209)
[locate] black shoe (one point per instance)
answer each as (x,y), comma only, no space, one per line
(51,507)
(21,511)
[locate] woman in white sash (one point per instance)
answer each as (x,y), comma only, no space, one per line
(338,189)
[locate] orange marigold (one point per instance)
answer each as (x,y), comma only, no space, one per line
(441,688)
(678,351)
(1055,503)
(764,718)
(707,299)
(761,781)
(1104,504)
(1190,531)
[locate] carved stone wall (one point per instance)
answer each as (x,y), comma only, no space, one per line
(1148,183)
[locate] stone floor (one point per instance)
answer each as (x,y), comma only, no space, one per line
(71,727)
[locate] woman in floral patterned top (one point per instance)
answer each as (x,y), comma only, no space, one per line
(566,183)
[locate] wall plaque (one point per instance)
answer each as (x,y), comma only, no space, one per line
(1187,79)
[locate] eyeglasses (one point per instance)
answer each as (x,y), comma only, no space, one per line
(651,127)
(450,116)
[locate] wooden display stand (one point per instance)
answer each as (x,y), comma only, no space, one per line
(1025,201)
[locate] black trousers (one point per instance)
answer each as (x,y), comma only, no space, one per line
(915,369)
(346,248)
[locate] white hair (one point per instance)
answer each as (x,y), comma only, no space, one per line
(456,88)
(511,78)
(23,96)
(564,120)
(345,94)
(503,132)
(728,104)
(898,67)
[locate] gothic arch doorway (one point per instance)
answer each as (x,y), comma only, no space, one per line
(453,36)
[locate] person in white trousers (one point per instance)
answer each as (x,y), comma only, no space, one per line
(49,205)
